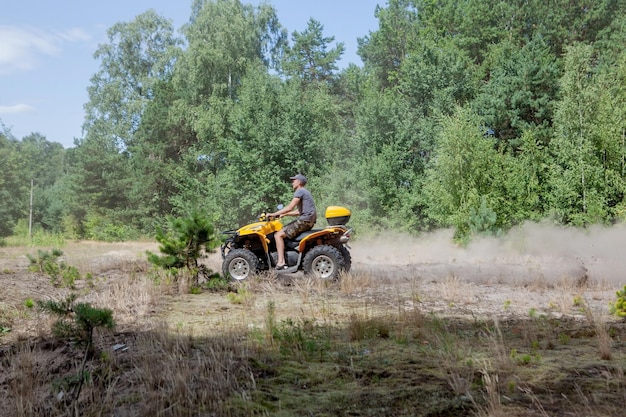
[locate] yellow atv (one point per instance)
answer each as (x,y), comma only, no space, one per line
(322,253)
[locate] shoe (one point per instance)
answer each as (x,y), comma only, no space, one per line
(281,267)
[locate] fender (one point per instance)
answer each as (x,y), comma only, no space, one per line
(330,230)
(260,230)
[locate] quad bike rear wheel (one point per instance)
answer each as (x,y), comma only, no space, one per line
(240,264)
(324,262)
(347,258)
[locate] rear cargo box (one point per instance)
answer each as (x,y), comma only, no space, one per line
(336,215)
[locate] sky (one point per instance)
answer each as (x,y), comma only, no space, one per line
(47,47)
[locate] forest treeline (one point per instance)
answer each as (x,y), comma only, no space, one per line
(475,114)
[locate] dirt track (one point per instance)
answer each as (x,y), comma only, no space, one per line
(536,271)
(494,278)
(398,286)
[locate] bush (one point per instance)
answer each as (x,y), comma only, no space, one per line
(183,242)
(61,274)
(39,237)
(97,227)
(618,308)
(77,322)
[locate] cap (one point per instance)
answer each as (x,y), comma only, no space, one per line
(300,178)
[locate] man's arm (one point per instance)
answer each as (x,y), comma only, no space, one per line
(289,210)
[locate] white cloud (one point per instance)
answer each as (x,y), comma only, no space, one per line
(18,108)
(22,47)
(75,35)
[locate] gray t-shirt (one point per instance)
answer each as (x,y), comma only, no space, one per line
(306,206)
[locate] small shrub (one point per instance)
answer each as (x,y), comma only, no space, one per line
(216,283)
(242,296)
(182,245)
(6,319)
(368,329)
(77,322)
(45,238)
(40,262)
(89,279)
(578,301)
(39,237)
(301,337)
(61,274)
(618,307)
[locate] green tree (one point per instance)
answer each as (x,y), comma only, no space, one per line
(45,165)
(464,169)
(139,54)
(385,49)
(188,129)
(182,243)
(98,179)
(578,178)
(275,129)
(309,57)
(224,37)
(611,130)
(520,92)
(14,183)
(386,160)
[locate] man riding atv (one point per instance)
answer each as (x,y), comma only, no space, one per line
(307,216)
(266,245)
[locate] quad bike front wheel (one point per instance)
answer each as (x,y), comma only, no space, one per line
(240,264)
(324,262)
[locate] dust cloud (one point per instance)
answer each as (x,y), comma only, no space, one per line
(532,253)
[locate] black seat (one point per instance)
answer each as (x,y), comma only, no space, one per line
(293,243)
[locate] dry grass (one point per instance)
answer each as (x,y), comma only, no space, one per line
(456,291)
(491,384)
(158,372)
(364,345)
(599,324)
(192,374)
(356,282)
(131,299)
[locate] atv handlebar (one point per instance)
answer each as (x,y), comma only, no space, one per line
(266,217)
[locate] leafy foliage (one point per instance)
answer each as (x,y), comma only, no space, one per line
(309,58)
(463,172)
(618,308)
(473,115)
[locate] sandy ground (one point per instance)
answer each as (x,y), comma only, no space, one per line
(536,270)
